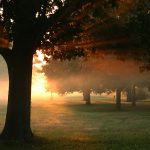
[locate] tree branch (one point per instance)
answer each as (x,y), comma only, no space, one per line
(5,52)
(61,14)
(117,43)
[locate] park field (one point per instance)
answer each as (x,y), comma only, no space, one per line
(66,123)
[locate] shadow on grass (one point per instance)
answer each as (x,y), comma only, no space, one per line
(39,143)
(36,143)
(106,108)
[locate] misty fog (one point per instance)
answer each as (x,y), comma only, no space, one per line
(95,74)
(3,80)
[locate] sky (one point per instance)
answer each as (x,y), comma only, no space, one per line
(3,80)
(38,79)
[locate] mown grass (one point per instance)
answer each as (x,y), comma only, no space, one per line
(69,124)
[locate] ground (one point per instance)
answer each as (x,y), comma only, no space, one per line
(66,123)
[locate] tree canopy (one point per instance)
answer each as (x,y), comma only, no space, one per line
(96,74)
(68,28)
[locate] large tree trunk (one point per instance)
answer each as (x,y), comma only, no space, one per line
(27,31)
(86,96)
(17,124)
(118,98)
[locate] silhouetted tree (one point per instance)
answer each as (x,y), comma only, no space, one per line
(128,94)
(133,95)
(118,98)
(31,24)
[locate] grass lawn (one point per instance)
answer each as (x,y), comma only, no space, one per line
(68,124)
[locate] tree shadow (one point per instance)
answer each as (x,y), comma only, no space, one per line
(106,107)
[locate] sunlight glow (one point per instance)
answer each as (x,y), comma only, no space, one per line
(38,61)
(1,11)
(39,80)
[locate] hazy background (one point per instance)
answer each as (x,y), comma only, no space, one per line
(3,80)
(94,73)
(75,75)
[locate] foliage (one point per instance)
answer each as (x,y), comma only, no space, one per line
(68,28)
(97,74)
(65,32)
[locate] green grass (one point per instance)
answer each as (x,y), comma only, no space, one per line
(69,124)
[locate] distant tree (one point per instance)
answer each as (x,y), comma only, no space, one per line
(96,75)
(118,98)
(68,76)
(128,94)
(133,95)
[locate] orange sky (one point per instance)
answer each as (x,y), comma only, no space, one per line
(39,80)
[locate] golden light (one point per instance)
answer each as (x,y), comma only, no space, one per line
(39,80)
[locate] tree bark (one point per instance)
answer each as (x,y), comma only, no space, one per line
(133,95)
(129,95)
(118,98)
(86,96)
(17,124)
(19,62)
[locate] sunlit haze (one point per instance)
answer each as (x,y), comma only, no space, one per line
(39,80)
(68,76)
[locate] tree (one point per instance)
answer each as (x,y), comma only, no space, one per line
(95,74)
(27,23)
(63,29)
(86,96)
(74,76)
(118,98)
(128,94)
(133,95)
